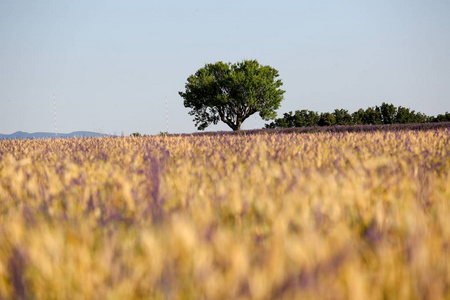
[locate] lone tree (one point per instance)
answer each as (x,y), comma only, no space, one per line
(232,92)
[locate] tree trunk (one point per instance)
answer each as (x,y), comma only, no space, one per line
(237,126)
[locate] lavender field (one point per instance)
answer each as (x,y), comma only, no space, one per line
(327,215)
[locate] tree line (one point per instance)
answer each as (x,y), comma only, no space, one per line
(232,92)
(378,115)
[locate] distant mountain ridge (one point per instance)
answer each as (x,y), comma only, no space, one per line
(19,135)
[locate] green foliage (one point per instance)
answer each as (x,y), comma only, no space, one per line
(231,93)
(372,116)
(358,117)
(327,119)
(405,116)
(135,134)
(388,112)
(342,117)
(303,118)
(441,118)
(384,114)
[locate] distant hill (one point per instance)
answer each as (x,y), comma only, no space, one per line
(48,135)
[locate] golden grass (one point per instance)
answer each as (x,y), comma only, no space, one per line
(285,216)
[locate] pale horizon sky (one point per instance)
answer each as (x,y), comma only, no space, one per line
(111,64)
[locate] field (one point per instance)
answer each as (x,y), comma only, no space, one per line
(328,215)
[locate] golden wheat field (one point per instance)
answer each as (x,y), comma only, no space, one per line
(264,216)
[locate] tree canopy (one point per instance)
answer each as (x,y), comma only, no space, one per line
(384,114)
(232,92)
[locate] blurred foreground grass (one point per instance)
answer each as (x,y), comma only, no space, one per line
(285,216)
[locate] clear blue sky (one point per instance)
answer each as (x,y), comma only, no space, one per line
(111,64)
